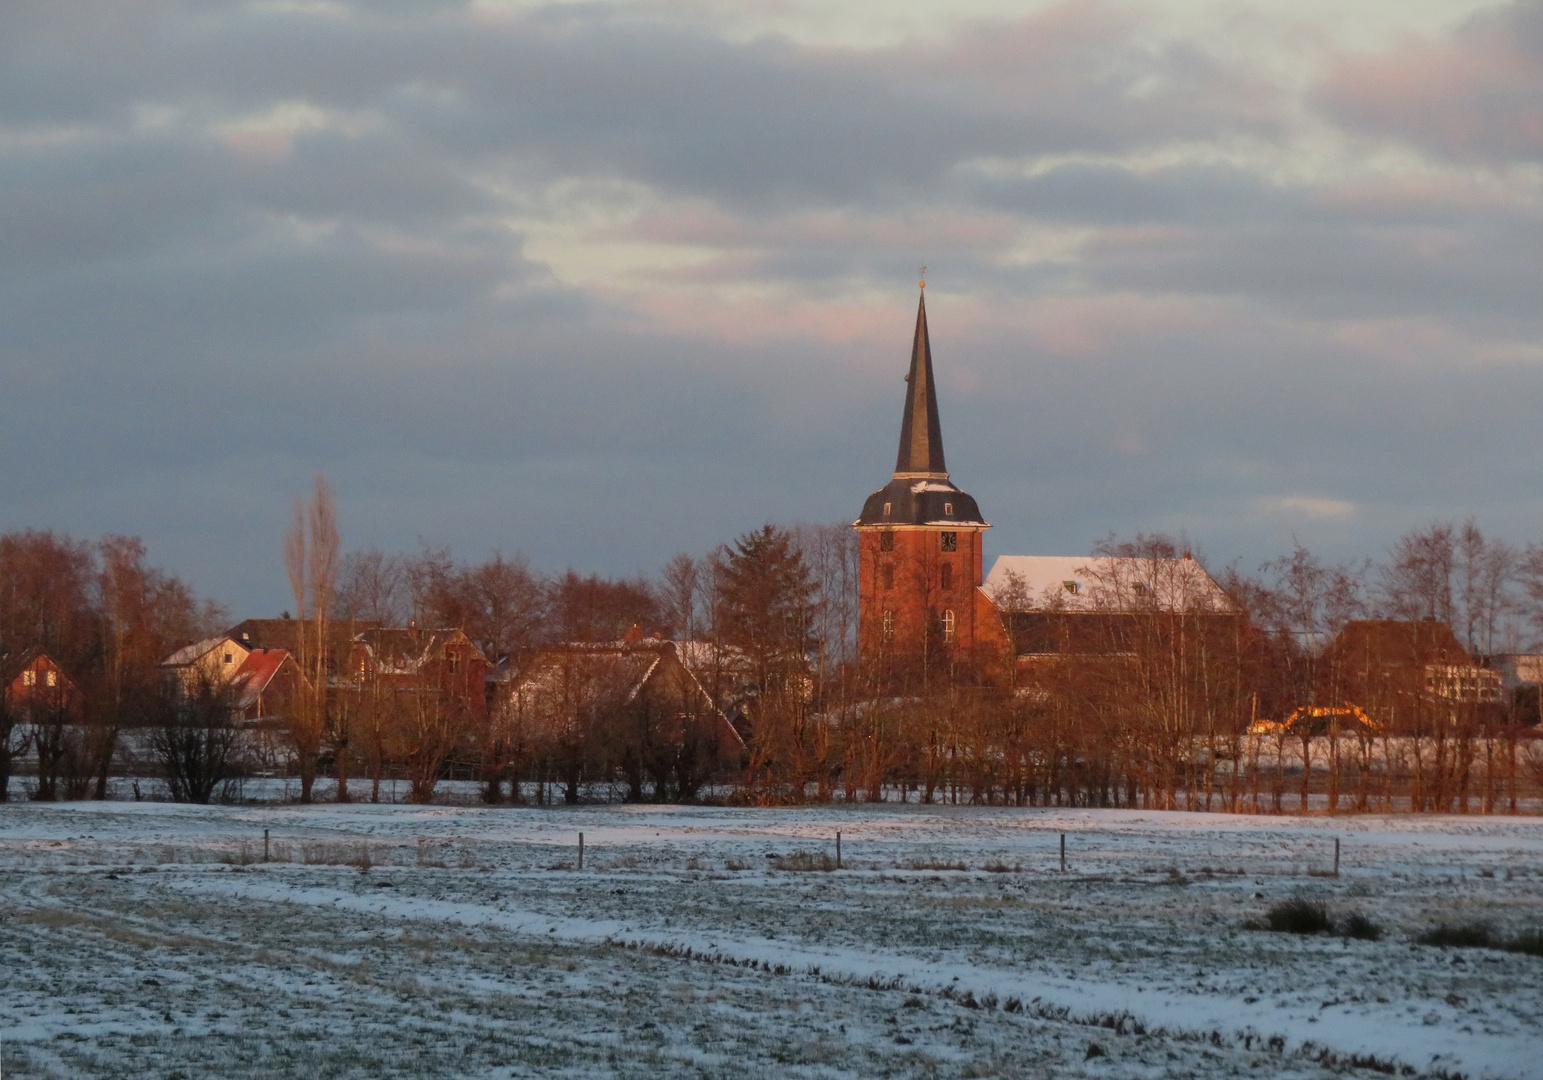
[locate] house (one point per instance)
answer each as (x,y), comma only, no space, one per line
(1401,670)
(921,591)
(214,660)
(405,657)
(34,682)
(1061,606)
(262,680)
(287,634)
(632,703)
(264,685)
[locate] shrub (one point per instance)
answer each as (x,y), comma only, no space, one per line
(803,860)
(1475,935)
(1361,928)
(934,864)
(1529,942)
(1298,916)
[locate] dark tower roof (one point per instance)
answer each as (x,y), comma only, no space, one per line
(921,435)
(920,493)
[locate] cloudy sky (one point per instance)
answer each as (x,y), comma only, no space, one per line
(599,282)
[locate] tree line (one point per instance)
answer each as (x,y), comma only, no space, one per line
(1175,708)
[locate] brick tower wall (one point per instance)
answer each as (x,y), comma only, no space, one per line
(905,576)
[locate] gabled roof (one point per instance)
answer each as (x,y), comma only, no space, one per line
(255,673)
(583,675)
(191,654)
(1086,583)
(284,634)
(1399,643)
(13,664)
(405,649)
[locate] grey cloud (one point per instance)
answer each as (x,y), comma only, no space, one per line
(192,332)
(589,89)
(1475,95)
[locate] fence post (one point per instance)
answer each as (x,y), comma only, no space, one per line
(1336,856)
(581,851)
(1063,853)
(265,845)
(838,849)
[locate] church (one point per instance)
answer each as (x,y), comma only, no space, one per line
(922,593)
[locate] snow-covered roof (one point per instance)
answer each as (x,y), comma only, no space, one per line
(1102,583)
(190,653)
(255,673)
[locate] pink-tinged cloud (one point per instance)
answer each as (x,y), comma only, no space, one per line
(707,316)
(1476,94)
(1098,58)
(939,228)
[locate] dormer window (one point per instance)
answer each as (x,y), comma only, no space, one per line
(948,509)
(1073,587)
(886,509)
(948,541)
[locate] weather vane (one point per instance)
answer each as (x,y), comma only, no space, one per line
(924,275)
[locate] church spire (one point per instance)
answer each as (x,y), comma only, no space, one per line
(921,435)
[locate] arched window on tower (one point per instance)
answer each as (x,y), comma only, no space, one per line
(948,625)
(889,625)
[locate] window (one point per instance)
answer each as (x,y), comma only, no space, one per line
(887,539)
(229,659)
(1140,588)
(889,625)
(53,678)
(946,576)
(29,678)
(886,509)
(887,576)
(949,541)
(948,626)
(948,508)
(1073,587)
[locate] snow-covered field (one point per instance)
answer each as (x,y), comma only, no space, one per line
(147,939)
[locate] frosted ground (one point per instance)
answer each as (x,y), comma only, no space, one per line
(148,939)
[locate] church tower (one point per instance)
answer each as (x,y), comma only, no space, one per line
(919,537)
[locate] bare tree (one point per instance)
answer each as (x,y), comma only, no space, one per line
(144,613)
(504,606)
(15,738)
(1417,579)
(311,559)
(372,587)
(193,733)
(1485,571)
(680,596)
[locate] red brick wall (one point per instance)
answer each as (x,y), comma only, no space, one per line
(918,593)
